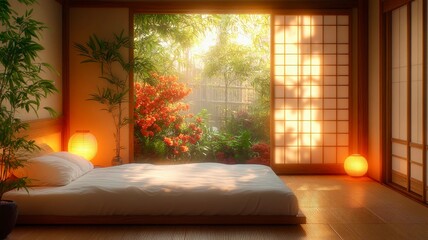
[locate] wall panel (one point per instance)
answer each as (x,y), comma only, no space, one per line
(84,79)
(374,107)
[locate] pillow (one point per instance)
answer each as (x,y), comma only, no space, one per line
(81,162)
(49,170)
(26,155)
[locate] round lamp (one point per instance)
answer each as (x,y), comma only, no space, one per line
(83,143)
(355,165)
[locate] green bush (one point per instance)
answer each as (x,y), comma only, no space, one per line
(257,124)
(230,148)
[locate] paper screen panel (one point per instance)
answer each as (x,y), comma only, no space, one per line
(399,97)
(416,72)
(416,101)
(399,73)
(311,88)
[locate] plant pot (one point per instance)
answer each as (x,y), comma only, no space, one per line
(8,216)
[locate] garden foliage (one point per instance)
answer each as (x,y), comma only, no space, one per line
(165,129)
(162,123)
(238,55)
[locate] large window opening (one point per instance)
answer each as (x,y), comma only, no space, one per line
(202,88)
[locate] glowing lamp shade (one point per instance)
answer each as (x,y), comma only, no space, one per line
(355,165)
(83,143)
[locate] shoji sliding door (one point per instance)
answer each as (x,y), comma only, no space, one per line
(311,92)
(406,159)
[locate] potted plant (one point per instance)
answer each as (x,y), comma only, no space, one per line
(21,90)
(107,53)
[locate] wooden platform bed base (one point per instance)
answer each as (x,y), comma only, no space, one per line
(164,220)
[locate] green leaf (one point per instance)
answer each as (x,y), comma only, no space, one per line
(51,111)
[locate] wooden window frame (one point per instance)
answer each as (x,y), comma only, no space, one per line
(219,6)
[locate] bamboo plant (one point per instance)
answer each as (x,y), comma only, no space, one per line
(21,88)
(107,54)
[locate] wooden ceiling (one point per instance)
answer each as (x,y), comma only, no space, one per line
(215,4)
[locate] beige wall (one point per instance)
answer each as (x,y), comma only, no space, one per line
(49,12)
(374,158)
(87,115)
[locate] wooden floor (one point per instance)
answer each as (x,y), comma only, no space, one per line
(336,207)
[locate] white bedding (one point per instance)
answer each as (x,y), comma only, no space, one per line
(145,189)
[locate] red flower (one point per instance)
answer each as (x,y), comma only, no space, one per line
(184,148)
(263,152)
(168,141)
(193,140)
(220,156)
(137,87)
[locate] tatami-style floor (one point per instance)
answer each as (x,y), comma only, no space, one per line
(336,207)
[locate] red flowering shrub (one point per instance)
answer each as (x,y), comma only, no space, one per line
(262,151)
(159,106)
(222,157)
(178,145)
(161,116)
